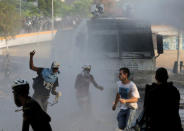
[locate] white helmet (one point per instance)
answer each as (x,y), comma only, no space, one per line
(86,67)
(20,87)
(19,83)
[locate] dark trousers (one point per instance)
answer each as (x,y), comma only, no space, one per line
(125,118)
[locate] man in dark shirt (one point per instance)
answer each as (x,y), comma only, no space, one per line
(161,104)
(32,113)
(45,82)
(82,83)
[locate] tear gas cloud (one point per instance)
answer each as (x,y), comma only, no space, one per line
(160,12)
(73,55)
(72,52)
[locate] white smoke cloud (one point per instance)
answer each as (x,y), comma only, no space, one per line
(162,12)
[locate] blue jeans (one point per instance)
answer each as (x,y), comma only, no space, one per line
(125,118)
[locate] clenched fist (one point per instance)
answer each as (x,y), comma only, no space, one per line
(32,53)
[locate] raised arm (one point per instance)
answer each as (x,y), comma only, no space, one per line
(31,65)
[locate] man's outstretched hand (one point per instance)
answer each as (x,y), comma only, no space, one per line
(32,53)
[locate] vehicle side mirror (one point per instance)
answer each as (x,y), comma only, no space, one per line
(160,49)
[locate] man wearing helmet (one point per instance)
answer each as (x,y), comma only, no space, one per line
(82,84)
(32,112)
(45,82)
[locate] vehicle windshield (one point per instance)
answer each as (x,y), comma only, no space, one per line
(120,43)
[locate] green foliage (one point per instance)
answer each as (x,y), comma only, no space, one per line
(10,21)
(29,9)
(65,10)
(31,0)
(81,7)
(45,7)
(77,8)
(61,9)
(57,7)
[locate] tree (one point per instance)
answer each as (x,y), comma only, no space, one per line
(29,9)
(10,21)
(81,7)
(77,8)
(31,0)
(45,7)
(65,10)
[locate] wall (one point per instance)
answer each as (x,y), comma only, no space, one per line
(29,38)
(168,58)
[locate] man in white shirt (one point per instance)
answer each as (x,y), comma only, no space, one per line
(128,96)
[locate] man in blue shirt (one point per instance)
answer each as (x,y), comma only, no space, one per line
(45,82)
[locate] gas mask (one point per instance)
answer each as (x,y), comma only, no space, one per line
(55,68)
(86,73)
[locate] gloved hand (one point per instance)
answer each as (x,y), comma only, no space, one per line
(57,96)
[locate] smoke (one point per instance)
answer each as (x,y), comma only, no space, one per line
(161,12)
(72,54)
(72,51)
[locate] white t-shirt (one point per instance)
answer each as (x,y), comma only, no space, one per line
(128,91)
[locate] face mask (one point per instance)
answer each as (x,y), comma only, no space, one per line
(86,73)
(55,73)
(48,75)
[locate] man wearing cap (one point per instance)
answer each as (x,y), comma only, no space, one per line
(45,82)
(33,115)
(82,84)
